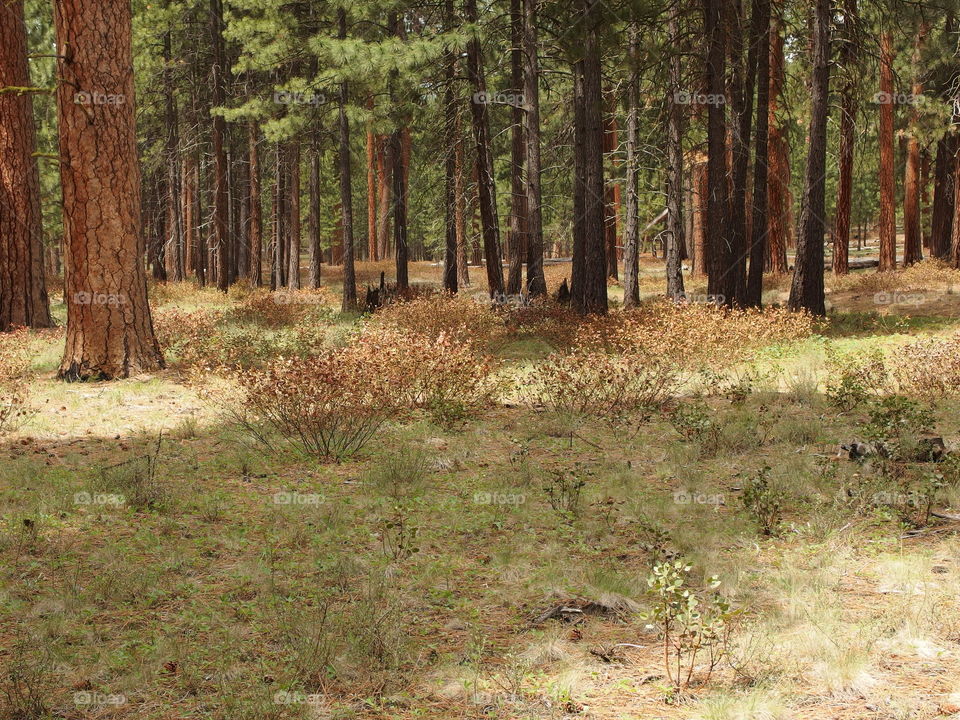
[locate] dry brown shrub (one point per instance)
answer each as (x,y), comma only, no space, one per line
(14,367)
(693,334)
(931,273)
(458,318)
(929,367)
(283,307)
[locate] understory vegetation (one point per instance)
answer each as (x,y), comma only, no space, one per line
(443,509)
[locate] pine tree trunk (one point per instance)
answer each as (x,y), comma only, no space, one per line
(399,211)
(220,196)
(460,218)
(631,241)
(941,221)
(759,221)
(675,229)
(385,188)
(611,197)
(293,223)
(536,283)
(371,192)
(175,243)
(256,216)
(109,328)
(806,292)
(700,197)
(779,200)
(848,112)
(313,218)
(517,226)
(717,228)
(911,184)
(23,292)
(346,183)
(589,288)
(888,230)
(487,188)
(450,162)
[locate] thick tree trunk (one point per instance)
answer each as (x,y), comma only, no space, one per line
(109,328)
(23,292)
(313,218)
(759,226)
(780,201)
(888,218)
(941,222)
(675,229)
(487,188)
(806,292)
(955,229)
(293,221)
(536,284)
(722,279)
(631,241)
(589,287)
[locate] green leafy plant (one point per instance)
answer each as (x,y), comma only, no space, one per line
(564,488)
(763,501)
(695,625)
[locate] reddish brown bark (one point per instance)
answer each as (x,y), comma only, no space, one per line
(109,328)
(371,193)
(384,187)
(23,294)
(699,216)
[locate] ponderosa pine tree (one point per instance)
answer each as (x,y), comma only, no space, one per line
(631,240)
(806,291)
(486,182)
(23,293)
(536,284)
(675,229)
(849,51)
(759,224)
(888,218)
(109,328)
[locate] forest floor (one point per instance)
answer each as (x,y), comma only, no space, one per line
(156,562)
